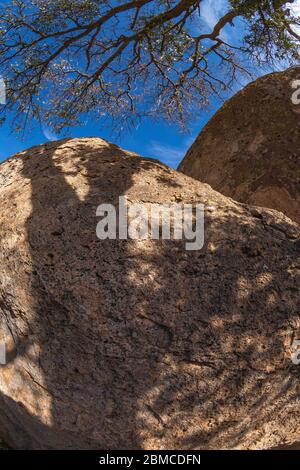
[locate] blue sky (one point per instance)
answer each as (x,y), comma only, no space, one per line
(165,142)
(157,140)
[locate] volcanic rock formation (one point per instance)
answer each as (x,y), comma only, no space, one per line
(122,344)
(250,150)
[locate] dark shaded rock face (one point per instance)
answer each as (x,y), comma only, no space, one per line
(141,344)
(250,150)
(3,446)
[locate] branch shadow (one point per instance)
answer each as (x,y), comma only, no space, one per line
(134,345)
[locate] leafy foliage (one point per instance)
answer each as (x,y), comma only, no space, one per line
(122,60)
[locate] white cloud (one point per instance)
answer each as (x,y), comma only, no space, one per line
(50,135)
(168,154)
(295,7)
(211,11)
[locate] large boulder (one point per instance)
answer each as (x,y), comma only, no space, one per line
(250,150)
(122,344)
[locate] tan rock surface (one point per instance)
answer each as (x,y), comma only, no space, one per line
(250,150)
(141,344)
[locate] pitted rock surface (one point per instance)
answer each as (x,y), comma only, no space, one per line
(122,344)
(250,150)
